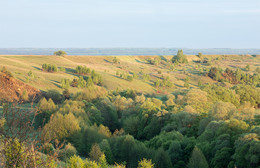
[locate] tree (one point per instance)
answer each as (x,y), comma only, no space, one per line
(115,60)
(247,67)
(105,147)
(60,127)
(65,83)
(247,149)
(145,164)
(222,110)
(81,82)
(68,151)
(162,159)
(60,53)
(179,58)
(54,95)
(186,84)
(95,152)
(66,93)
(25,96)
(30,74)
(222,158)
(46,109)
(76,162)
(197,159)
(90,82)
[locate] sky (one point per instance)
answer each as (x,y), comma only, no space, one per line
(130,23)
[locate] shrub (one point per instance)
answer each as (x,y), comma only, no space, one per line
(49,68)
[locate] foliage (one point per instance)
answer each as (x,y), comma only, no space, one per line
(179,58)
(60,53)
(197,159)
(82,70)
(49,68)
(65,83)
(145,164)
(60,127)
(115,60)
(54,95)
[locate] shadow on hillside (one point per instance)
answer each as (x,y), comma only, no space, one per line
(163,58)
(107,61)
(56,83)
(37,68)
(70,70)
(139,61)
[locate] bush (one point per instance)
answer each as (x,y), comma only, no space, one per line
(54,95)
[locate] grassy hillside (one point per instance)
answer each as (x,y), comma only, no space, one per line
(21,65)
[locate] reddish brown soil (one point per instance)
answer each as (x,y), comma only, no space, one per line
(12,89)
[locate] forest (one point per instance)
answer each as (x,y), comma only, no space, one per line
(181,111)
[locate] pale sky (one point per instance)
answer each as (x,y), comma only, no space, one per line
(130,23)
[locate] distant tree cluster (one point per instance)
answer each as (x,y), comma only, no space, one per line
(82,70)
(163,83)
(115,60)
(180,58)
(60,53)
(93,77)
(154,61)
(126,76)
(49,68)
(233,77)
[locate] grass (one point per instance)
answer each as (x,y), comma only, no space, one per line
(21,65)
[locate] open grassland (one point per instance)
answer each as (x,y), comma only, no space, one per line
(21,65)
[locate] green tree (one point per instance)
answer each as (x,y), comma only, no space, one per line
(199,83)
(186,84)
(60,53)
(115,60)
(66,93)
(30,74)
(180,58)
(197,159)
(162,159)
(81,82)
(222,158)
